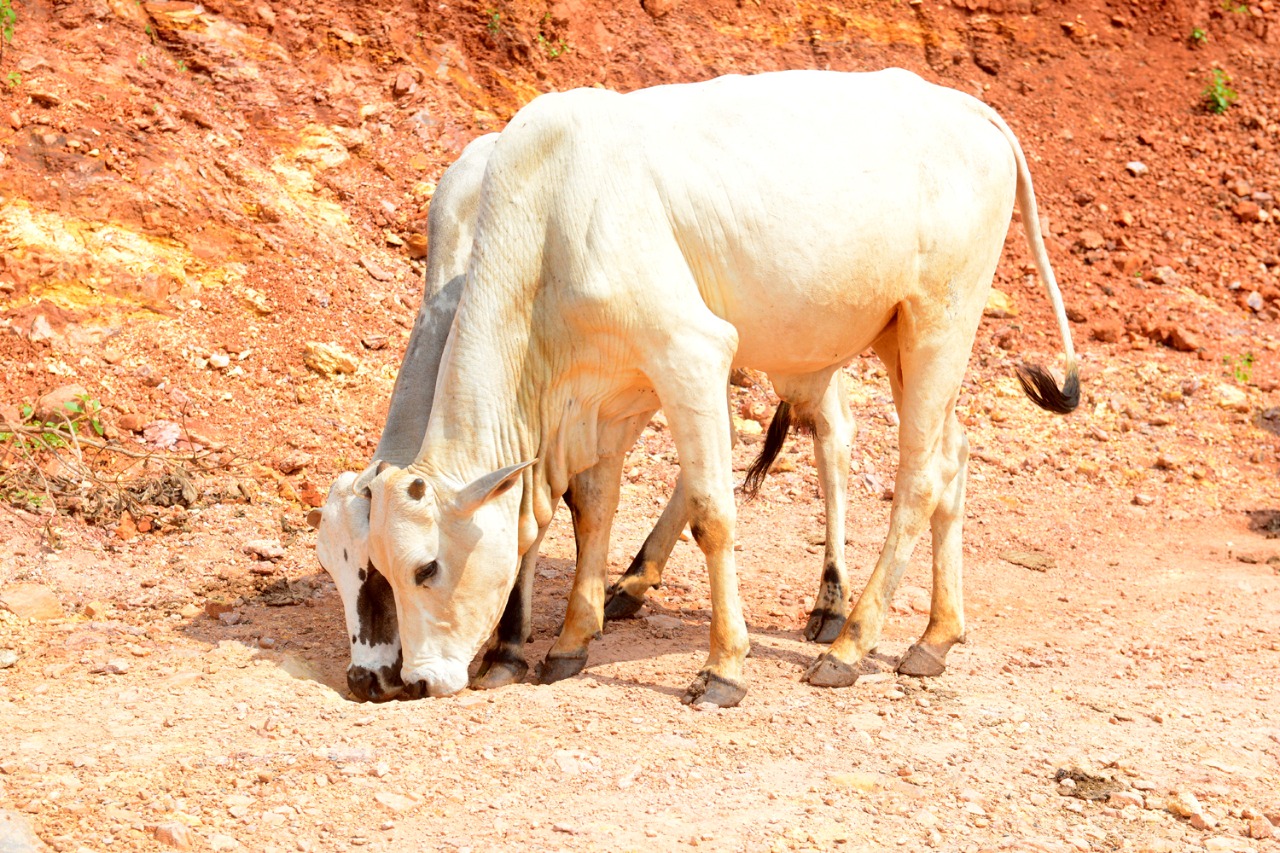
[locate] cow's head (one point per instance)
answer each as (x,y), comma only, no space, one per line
(342,544)
(451,555)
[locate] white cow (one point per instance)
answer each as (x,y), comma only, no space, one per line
(631,250)
(342,524)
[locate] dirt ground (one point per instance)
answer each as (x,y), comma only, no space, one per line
(192,196)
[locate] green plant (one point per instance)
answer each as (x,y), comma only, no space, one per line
(553,49)
(35,434)
(1233,6)
(7,17)
(1241,367)
(1198,36)
(494,24)
(15,79)
(182,65)
(1218,95)
(142,60)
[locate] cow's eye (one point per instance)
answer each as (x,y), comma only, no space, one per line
(425,574)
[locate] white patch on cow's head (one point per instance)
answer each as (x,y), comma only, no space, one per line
(451,556)
(342,545)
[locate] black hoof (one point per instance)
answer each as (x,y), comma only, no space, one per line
(714,690)
(824,626)
(923,662)
(621,604)
(499,673)
(555,669)
(829,672)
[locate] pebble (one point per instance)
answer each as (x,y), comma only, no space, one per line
(1120,799)
(1143,499)
(396,802)
(173,834)
(1184,804)
(218,841)
(8,657)
(1261,828)
(30,601)
(327,359)
(1136,168)
(264,549)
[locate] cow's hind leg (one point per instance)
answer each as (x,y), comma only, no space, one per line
(927,381)
(626,596)
(946,613)
(832,446)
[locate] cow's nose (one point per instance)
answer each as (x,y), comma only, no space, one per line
(363,684)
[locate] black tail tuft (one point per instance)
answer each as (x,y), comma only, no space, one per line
(773,441)
(1044,392)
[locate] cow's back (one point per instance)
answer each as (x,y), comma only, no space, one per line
(796,200)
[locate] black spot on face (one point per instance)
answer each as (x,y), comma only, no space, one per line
(345,558)
(376,610)
(363,574)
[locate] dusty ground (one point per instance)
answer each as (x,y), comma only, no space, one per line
(188,195)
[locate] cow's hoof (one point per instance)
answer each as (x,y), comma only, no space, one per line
(555,669)
(709,688)
(621,604)
(824,626)
(499,673)
(829,672)
(922,661)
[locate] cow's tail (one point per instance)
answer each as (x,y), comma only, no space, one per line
(1036,381)
(773,441)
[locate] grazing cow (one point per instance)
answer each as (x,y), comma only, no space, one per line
(342,524)
(630,251)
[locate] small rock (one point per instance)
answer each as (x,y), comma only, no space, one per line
(1120,799)
(658,8)
(189,611)
(264,549)
(115,666)
(293,462)
(40,329)
(1233,398)
(8,657)
(1254,301)
(1183,340)
(1091,240)
(17,835)
(53,405)
(1142,499)
(1164,275)
(999,305)
(1136,168)
(219,361)
(404,84)
(1107,331)
(377,272)
(1183,804)
(1029,560)
(266,642)
(395,802)
(219,842)
(328,359)
(133,422)
(417,245)
(1202,821)
(374,340)
(1248,211)
(1260,828)
(173,834)
(30,601)
(95,609)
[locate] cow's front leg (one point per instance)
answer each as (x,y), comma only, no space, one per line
(593,500)
(504,662)
(626,596)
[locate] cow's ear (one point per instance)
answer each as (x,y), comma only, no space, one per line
(488,487)
(367,476)
(313,519)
